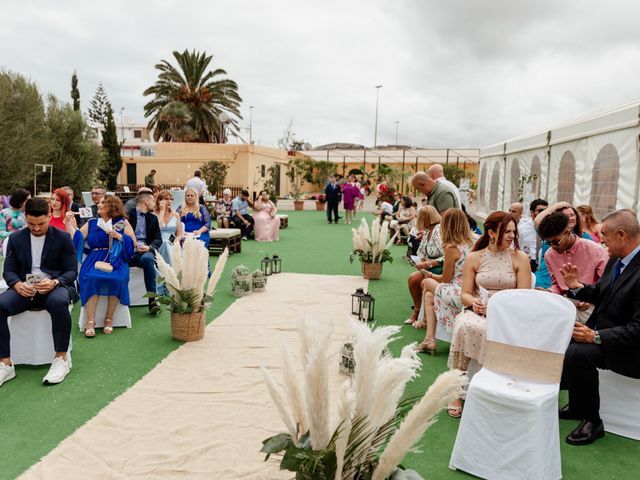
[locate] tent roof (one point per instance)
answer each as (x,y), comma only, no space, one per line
(393,154)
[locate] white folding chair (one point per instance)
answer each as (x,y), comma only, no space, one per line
(620,404)
(86,197)
(509,426)
(178,198)
(137,290)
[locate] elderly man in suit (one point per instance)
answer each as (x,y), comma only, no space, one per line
(48,255)
(611,337)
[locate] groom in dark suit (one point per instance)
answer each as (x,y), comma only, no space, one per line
(46,255)
(333,194)
(611,337)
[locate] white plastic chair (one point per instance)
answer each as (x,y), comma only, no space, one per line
(509,426)
(121,316)
(620,404)
(86,197)
(137,290)
(178,198)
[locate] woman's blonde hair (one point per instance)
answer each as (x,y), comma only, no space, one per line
(186,209)
(427,216)
(454,228)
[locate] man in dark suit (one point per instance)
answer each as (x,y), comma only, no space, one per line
(148,239)
(611,337)
(333,193)
(97,194)
(46,255)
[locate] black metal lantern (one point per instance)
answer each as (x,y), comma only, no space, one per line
(355,301)
(266,266)
(276,264)
(367,307)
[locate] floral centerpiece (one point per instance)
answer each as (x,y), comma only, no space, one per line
(376,425)
(371,247)
(188,291)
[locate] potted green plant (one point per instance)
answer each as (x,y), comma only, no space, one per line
(321,201)
(188,294)
(371,247)
(297,170)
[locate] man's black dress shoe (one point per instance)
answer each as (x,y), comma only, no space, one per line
(565,414)
(586,433)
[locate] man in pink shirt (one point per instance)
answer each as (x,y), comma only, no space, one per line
(589,257)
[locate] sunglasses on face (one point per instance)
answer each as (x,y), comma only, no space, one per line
(556,242)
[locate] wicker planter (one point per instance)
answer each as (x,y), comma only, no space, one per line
(371,271)
(187,327)
(298,204)
(320,206)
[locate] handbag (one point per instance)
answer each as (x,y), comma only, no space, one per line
(104,265)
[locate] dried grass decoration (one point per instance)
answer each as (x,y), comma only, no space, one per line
(371,247)
(242,281)
(259,281)
(185,280)
(377,423)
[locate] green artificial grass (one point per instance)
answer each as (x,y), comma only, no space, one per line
(35,418)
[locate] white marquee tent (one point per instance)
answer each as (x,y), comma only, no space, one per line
(595,161)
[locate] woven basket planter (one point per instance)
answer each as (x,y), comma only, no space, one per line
(187,327)
(371,271)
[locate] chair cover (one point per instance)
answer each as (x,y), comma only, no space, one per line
(178,199)
(620,404)
(137,290)
(86,198)
(509,427)
(31,338)
(121,316)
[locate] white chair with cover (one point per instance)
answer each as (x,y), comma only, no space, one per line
(620,404)
(178,198)
(86,197)
(137,290)
(509,426)
(121,316)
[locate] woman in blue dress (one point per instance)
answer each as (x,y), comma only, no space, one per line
(196,217)
(110,239)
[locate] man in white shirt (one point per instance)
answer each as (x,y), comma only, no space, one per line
(436,172)
(198,184)
(40,269)
(530,242)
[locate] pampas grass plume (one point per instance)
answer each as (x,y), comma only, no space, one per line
(316,392)
(294,389)
(217,271)
(167,273)
(345,414)
(276,396)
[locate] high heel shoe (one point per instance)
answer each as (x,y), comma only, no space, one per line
(108,326)
(427,346)
(90,329)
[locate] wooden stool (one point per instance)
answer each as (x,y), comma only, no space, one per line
(225,237)
(284,221)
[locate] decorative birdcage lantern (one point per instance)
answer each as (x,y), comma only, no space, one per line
(265,266)
(276,264)
(259,280)
(367,307)
(355,301)
(242,281)
(347,363)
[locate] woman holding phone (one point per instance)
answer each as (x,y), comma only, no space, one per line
(170,224)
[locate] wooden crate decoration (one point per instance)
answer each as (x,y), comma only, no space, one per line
(225,237)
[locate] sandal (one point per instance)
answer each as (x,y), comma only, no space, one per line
(90,329)
(454,409)
(420,324)
(108,326)
(427,346)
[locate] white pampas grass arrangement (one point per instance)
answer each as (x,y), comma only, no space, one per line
(316,392)
(372,245)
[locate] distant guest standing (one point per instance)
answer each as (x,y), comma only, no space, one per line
(149,180)
(198,184)
(334,195)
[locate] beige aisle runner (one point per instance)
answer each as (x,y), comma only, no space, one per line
(204,410)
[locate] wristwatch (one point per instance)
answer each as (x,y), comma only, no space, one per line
(597,339)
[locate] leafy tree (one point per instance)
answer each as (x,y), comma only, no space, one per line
(453,173)
(215,173)
(73,152)
(100,105)
(111,161)
(75,93)
(23,135)
(297,170)
(270,182)
(205,94)
(318,173)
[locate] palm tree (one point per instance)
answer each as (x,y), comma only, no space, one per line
(204,94)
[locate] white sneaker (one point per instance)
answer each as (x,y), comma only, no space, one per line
(58,371)
(6,373)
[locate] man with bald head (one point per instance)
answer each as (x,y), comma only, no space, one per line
(611,337)
(436,172)
(438,194)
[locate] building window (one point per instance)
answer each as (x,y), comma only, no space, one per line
(567,177)
(515,180)
(137,134)
(483,184)
(604,183)
(495,185)
(535,174)
(263,171)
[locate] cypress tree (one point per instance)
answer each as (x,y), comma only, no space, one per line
(99,106)
(75,93)
(112,161)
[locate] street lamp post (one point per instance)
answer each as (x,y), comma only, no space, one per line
(375,132)
(122,125)
(397,122)
(251,125)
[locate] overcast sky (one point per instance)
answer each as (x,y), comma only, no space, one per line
(455,73)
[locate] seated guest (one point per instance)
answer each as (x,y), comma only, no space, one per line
(223,209)
(527,234)
(196,217)
(97,194)
(415,234)
(267,225)
(590,225)
(611,337)
(240,214)
(385,209)
(430,253)
(12,218)
(49,254)
(74,206)
(441,300)
(473,225)
(494,266)
(397,202)
(130,205)
(566,247)
(170,224)
(404,219)
(61,215)
(110,239)
(148,238)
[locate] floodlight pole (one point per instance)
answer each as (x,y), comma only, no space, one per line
(375,132)
(44,168)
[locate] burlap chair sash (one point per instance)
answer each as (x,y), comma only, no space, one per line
(536,365)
